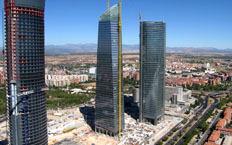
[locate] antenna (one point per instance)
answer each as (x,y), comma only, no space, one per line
(140,17)
(108,4)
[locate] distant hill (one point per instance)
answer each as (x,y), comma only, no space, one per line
(92,48)
(83,49)
(198,50)
(88,48)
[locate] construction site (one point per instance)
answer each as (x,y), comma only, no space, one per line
(75,126)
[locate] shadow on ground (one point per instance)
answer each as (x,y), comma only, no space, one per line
(88,113)
(130,108)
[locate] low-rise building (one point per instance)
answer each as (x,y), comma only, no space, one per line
(214,136)
(64,80)
(227,115)
(221,124)
(225,131)
(177,94)
(92,71)
(228,140)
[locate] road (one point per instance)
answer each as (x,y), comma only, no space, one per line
(205,111)
(189,123)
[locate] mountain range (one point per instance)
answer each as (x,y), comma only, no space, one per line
(92,48)
(88,48)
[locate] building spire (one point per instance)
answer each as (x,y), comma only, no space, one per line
(108,4)
(140,17)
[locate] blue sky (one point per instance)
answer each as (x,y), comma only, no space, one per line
(190,23)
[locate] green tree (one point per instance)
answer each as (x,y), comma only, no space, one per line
(2,100)
(160,143)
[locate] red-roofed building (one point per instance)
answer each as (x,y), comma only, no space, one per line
(221,123)
(225,131)
(210,143)
(214,136)
(227,115)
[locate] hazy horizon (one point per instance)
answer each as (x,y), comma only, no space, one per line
(192,23)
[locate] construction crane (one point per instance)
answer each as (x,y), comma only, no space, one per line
(120,68)
(108,5)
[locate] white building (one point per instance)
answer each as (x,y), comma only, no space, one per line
(209,69)
(64,80)
(176,94)
(92,71)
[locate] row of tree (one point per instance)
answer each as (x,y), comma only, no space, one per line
(57,98)
(203,126)
(207,87)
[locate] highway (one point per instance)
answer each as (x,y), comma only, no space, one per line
(205,112)
(179,132)
(195,119)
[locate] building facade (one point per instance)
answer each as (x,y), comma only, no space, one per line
(152,70)
(25,77)
(64,80)
(181,94)
(109,118)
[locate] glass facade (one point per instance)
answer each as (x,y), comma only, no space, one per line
(107,90)
(152,69)
(25,64)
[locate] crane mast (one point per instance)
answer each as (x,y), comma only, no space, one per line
(120,69)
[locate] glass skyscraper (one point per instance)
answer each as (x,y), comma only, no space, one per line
(107,118)
(152,69)
(25,64)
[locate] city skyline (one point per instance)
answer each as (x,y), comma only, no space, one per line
(108,92)
(190,23)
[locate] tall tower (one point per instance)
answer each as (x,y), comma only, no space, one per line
(24,57)
(109,110)
(152,70)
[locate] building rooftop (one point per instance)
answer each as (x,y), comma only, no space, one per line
(210,143)
(228,140)
(228,110)
(214,136)
(111,14)
(221,123)
(225,129)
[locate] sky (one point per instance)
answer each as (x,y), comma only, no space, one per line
(190,23)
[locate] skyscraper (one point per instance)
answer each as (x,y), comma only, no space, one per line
(152,70)
(109,110)
(24,57)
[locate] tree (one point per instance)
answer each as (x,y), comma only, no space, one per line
(185,121)
(2,101)
(160,143)
(165,138)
